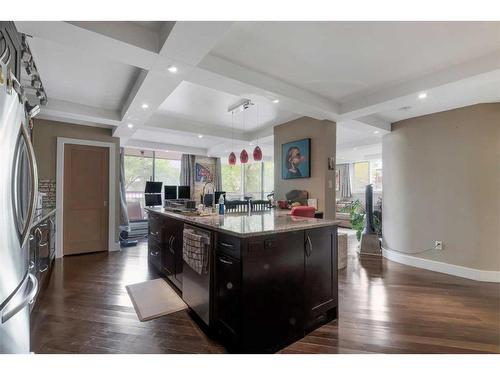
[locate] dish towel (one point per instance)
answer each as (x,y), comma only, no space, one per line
(194,251)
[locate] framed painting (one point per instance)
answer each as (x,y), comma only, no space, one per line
(296,159)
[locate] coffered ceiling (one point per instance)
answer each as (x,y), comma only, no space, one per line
(364,75)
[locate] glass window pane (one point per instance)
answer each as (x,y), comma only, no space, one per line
(268,177)
(231,179)
(168,171)
(138,170)
(253,186)
(361,175)
(376,174)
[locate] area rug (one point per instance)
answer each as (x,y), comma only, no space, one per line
(154,298)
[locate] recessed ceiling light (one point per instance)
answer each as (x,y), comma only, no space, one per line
(422,95)
(200,135)
(276,101)
(130,126)
(250,143)
(355,148)
(145,105)
(172,69)
(376,132)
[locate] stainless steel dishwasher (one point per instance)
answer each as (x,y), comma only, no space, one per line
(196,277)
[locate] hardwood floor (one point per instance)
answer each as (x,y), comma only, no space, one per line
(385,307)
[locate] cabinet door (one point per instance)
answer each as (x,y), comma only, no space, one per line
(227,291)
(173,244)
(320,273)
(273,279)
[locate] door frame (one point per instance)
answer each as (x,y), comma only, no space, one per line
(61,142)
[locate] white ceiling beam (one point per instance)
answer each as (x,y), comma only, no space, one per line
(223,75)
(406,93)
(79,113)
(146,145)
(376,122)
(186,44)
(98,45)
(167,123)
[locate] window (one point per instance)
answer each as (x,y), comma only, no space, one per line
(361,176)
(168,171)
(231,180)
(268,177)
(376,175)
(253,179)
(139,169)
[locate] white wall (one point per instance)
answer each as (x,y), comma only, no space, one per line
(442,182)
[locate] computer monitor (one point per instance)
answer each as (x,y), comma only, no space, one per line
(152,199)
(153,187)
(170,191)
(184,192)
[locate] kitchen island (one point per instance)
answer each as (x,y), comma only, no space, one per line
(270,278)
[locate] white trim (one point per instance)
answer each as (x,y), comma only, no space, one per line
(450,269)
(112,245)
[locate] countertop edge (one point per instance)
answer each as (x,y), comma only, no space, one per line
(189,220)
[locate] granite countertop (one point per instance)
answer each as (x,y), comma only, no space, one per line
(255,224)
(41,215)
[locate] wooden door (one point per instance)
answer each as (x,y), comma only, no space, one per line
(86,194)
(320,273)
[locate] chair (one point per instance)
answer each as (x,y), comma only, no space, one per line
(304,211)
(260,205)
(236,206)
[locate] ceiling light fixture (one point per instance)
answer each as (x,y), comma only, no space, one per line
(376,132)
(145,105)
(130,126)
(200,136)
(172,69)
(422,95)
(276,101)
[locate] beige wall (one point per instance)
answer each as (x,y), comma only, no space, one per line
(45,134)
(321,184)
(442,182)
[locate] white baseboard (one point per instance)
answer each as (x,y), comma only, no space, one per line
(115,246)
(450,269)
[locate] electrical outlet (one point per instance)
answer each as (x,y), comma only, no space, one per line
(438,245)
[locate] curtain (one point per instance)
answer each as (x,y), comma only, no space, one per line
(345,181)
(218,175)
(123,200)
(187,172)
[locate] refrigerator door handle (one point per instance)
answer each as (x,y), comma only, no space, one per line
(25,232)
(8,311)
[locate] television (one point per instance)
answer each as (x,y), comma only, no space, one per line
(152,199)
(184,192)
(153,187)
(170,191)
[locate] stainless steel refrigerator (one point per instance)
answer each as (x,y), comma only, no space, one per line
(18,195)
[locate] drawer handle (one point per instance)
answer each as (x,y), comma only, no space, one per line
(225,244)
(171,244)
(154,234)
(44,268)
(225,261)
(43,244)
(154,253)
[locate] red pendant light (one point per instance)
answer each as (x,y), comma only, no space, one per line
(244,156)
(232,159)
(257,154)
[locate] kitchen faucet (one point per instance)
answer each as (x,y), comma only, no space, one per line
(213,194)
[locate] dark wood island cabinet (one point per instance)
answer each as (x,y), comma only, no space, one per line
(273,278)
